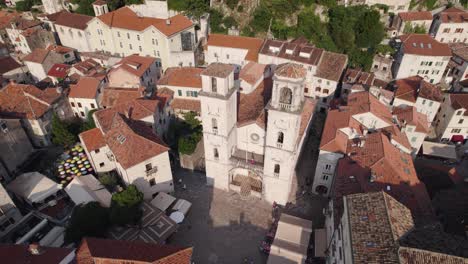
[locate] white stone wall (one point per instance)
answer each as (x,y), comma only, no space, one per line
(246,138)
(184,92)
(87,105)
(100,160)
(370,121)
(425,106)
(149,42)
(450,32)
(226,55)
(325,170)
(414,138)
(430,67)
(36,70)
(52,6)
(74,38)
(447,124)
(137,175)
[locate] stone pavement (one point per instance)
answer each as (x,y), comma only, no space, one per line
(222,227)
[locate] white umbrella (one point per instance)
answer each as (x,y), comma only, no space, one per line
(177,216)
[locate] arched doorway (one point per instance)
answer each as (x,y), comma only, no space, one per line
(285,95)
(321,189)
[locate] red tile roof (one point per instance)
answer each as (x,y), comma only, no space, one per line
(453,15)
(88,67)
(412,255)
(136,109)
(7,64)
(331,66)
(253,45)
(357,76)
(291,70)
(414,16)
(252,72)
(376,222)
(251,107)
(376,165)
(424,45)
(59,49)
(134,64)
(87,87)
(459,101)
(299,51)
(59,70)
(26,101)
(127,19)
(409,89)
(100,2)
(23,24)
(335,140)
(220,70)
(73,20)
(19,254)
(114,96)
(182,77)
(93,139)
(131,141)
(7,17)
(412,117)
(107,250)
(186,104)
(37,55)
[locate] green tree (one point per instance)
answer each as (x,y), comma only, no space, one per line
(23,6)
(310,26)
(369,30)
(85,7)
(60,133)
(418,29)
(261,19)
(90,219)
(108,179)
(125,206)
(216,22)
(89,123)
(232,3)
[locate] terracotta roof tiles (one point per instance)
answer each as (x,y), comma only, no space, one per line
(331,66)
(253,45)
(10,253)
(134,64)
(7,64)
(37,55)
(93,139)
(87,87)
(459,101)
(424,45)
(107,250)
(291,70)
(411,88)
(453,15)
(114,95)
(252,72)
(186,104)
(220,70)
(125,18)
(182,77)
(59,70)
(299,51)
(132,141)
(26,101)
(252,106)
(415,16)
(73,20)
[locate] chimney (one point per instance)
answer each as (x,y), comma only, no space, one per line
(34,249)
(126,114)
(12,81)
(168,21)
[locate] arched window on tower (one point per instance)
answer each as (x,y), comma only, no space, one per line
(285,96)
(214,125)
(276,170)
(280,137)
(214,85)
(216,153)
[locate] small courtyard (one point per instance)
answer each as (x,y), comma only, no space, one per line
(223,227)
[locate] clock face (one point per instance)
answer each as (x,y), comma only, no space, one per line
(255,137)
(280,123)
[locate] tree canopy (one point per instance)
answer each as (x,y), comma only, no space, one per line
(125,206)
(61,134)
(90,219)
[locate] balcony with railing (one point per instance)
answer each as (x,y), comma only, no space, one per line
(214,130)
(248,160)
(151,171)
(279,145)
(285,106)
